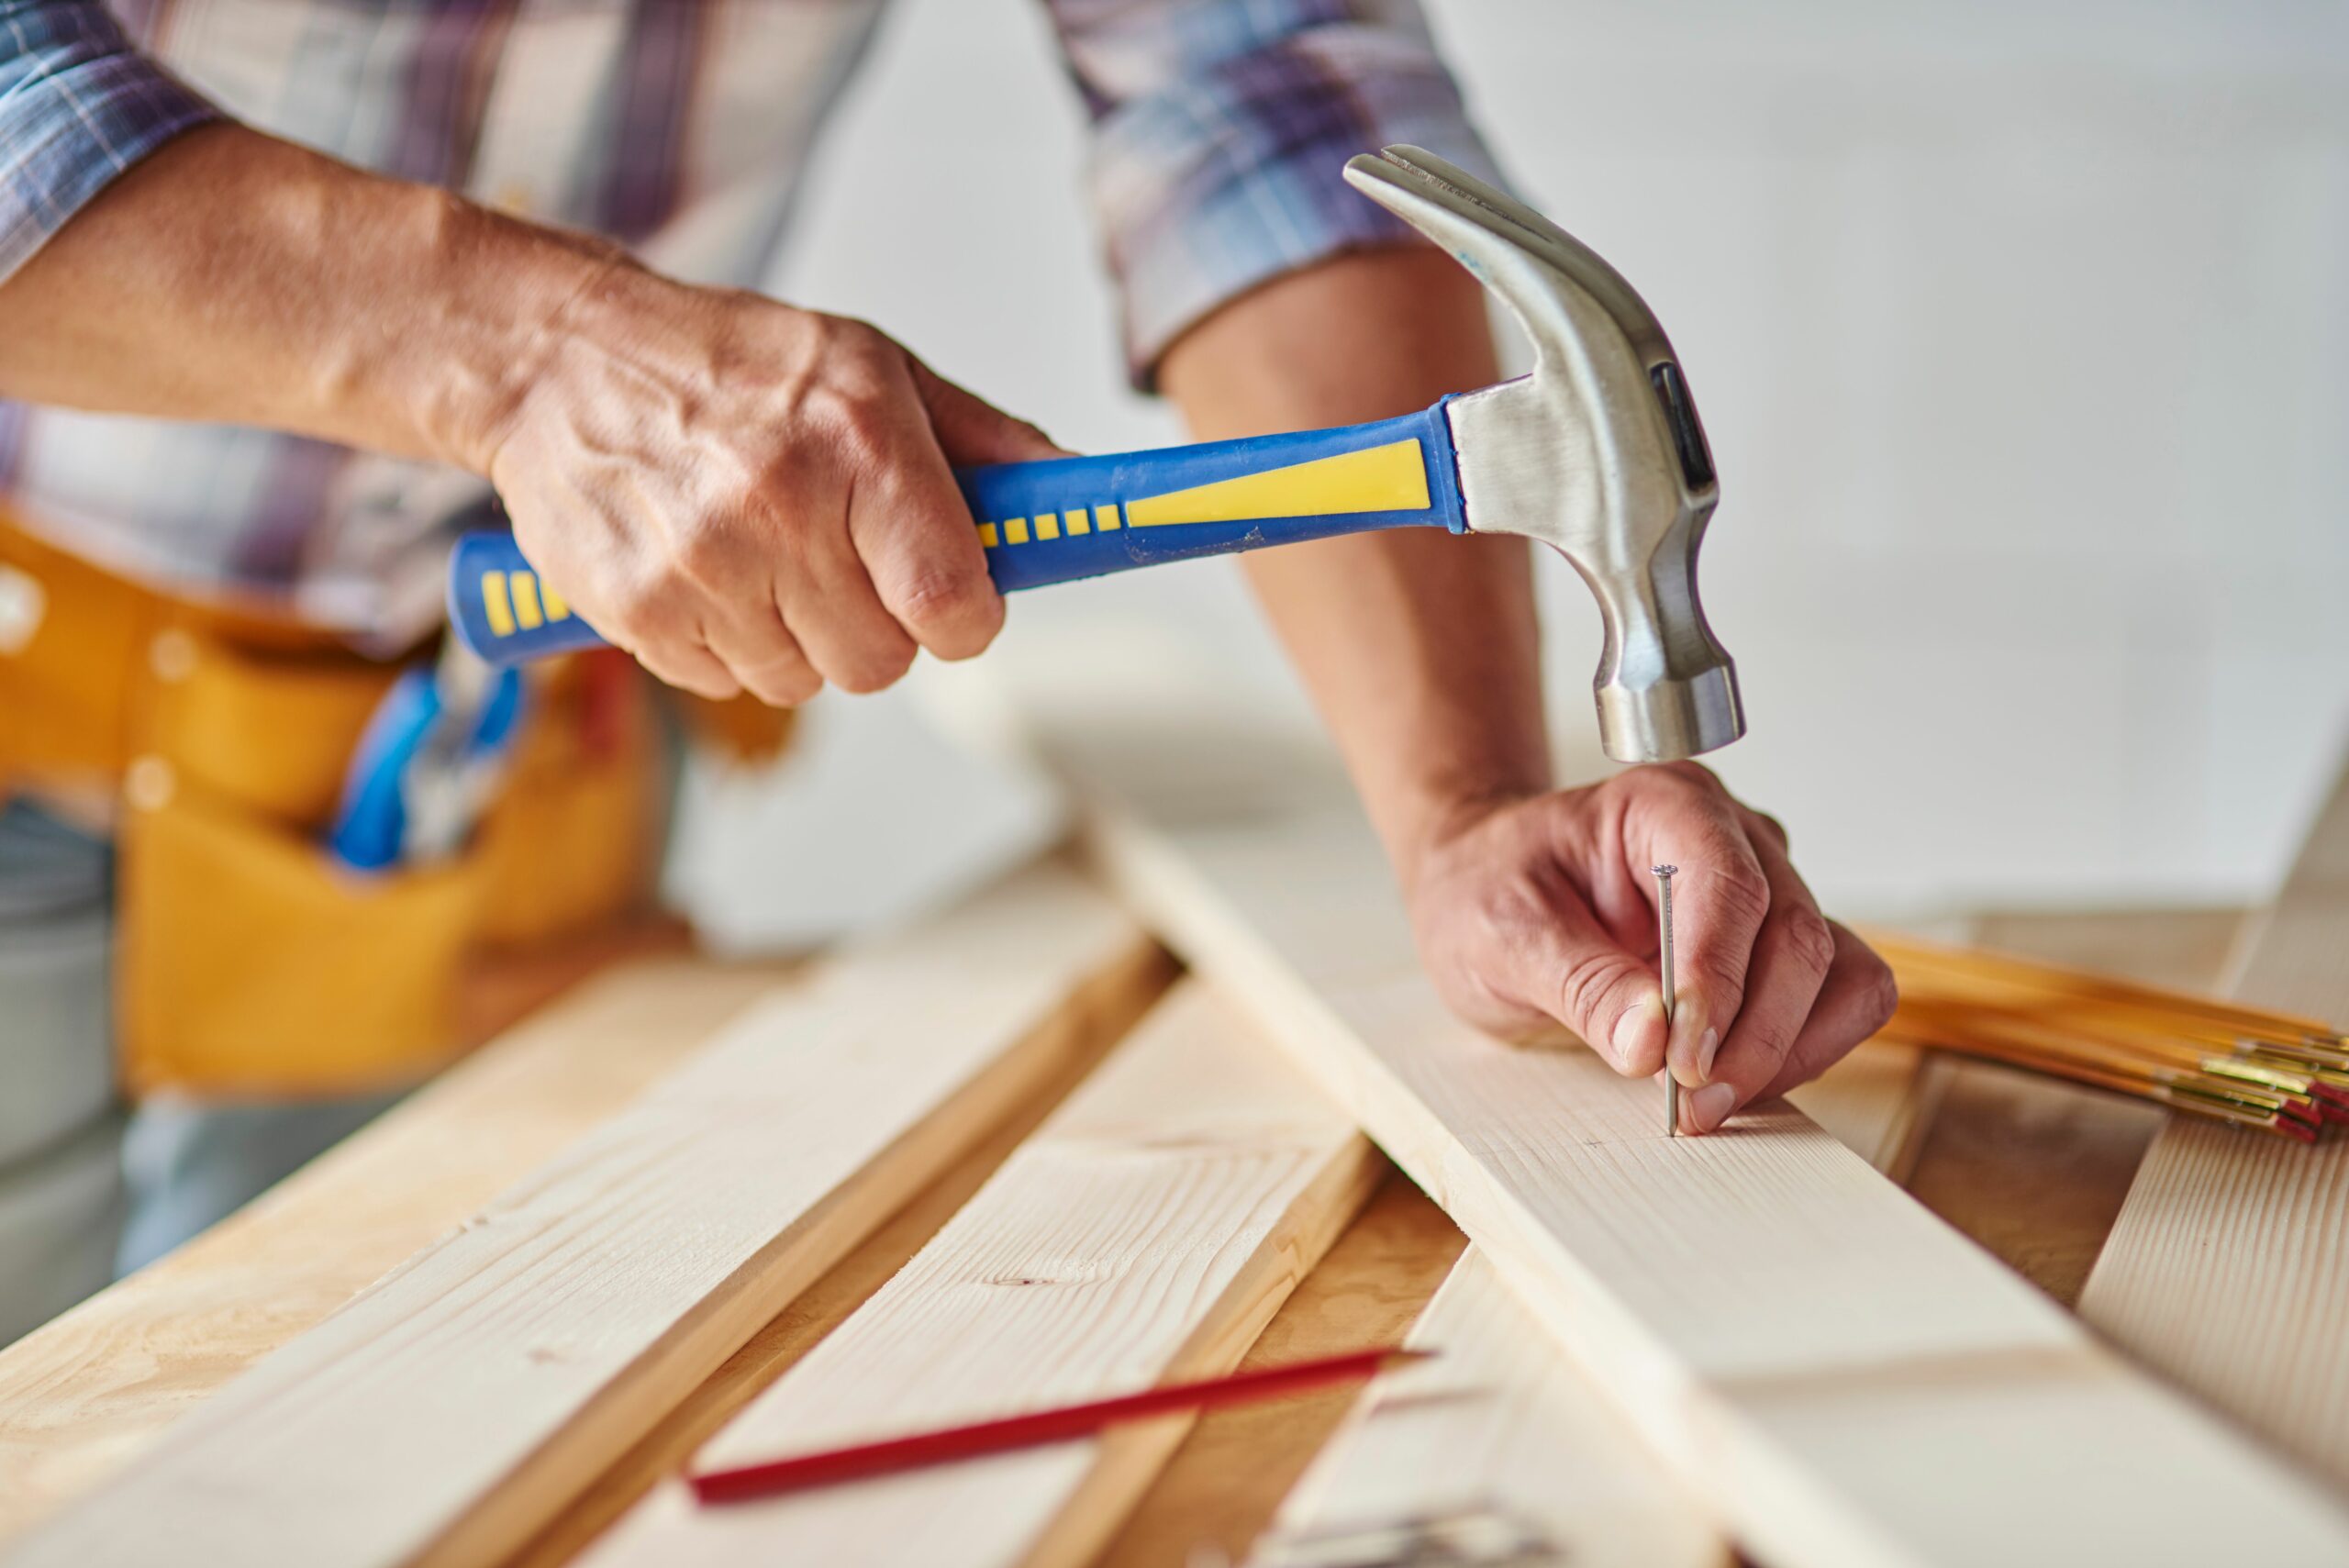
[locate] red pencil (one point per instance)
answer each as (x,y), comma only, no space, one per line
(1039,1426)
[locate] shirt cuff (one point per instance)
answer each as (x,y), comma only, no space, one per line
(78,106)
(1234,175)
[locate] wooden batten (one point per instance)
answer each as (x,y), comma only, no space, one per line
(1844,1380)
(1498,1421)
(454,1408)
(2228,1268)
(1144,1234)
(87,1396)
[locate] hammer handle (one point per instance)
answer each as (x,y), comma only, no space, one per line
(1066,518)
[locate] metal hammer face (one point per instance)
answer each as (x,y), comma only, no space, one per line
(1598,454)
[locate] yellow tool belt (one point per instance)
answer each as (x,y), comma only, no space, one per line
(248,960)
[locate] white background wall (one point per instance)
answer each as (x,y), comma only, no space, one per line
(2022,331)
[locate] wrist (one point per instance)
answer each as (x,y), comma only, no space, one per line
(504,296)
(1423,821)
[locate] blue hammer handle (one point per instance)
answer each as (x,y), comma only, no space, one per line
(1066,518)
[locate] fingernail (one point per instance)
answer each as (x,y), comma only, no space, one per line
(1631,1031)
(1709,1106)
(1706,1048)
(1687,1047)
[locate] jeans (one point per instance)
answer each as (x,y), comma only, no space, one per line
(90,1188)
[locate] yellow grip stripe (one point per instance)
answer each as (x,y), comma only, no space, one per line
(525,601)
(558,608)
(494,606)
(1392,478)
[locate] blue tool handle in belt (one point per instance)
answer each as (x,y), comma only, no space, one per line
(1064,518)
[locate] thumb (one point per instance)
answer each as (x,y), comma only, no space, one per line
(1568,967)
(972,430)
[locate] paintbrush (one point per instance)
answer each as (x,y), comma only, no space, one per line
(771,1477)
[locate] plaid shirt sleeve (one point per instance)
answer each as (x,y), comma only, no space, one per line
(1218,132)
(78,106)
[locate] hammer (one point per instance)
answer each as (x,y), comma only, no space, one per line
(1598,454)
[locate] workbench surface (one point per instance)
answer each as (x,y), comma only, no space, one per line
(2033,1170)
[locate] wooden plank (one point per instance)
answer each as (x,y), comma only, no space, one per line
(664,1451)
(2033,1167)
(1503,1419)
(90,1391)
(1237,1465)
(1499,1420)
(1145,1233)
(1847,1381)
(2228,1267)
(443,1415)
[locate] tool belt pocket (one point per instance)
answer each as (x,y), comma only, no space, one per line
(251,961)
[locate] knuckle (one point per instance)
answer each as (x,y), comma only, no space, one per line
(644,609)
(1741,891)
(785,690)
(704,553)
(875,669)
(1810,939)
(1879,991)
(949,601)
(1694,776)
(1583,988)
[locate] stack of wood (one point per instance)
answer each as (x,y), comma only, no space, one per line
(1020,1155)
(2271,1071)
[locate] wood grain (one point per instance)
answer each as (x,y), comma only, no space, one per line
(1500,1420)
(1503,1420)
(443,1415)
(1236,1465)
(2228,1267)
(1847,1381)
(1144,1234)
(664,1451)
(92,1391)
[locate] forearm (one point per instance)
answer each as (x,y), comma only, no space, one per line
(1421,648)
(233,277)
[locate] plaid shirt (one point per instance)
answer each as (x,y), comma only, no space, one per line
(677,126)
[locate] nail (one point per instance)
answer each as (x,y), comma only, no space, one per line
(1687,1051)
(1631,1028)
(1709,1106)
(1706,1048)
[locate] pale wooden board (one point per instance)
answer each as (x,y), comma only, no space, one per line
(1145,1233)
(1238,1464)
(446,1412)
(2228,1267)
(88,1392)
(1847,1380)
(1503,1419)
(1499,1420)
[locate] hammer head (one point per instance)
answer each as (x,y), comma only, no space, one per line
(1598,454)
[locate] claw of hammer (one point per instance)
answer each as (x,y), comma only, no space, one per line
(1598,454)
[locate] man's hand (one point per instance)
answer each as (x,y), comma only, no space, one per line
(746,496)
(1534,906)
(743,494)
(1540,910)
